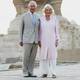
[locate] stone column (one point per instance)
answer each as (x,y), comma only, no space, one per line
(19,4)
(57,6)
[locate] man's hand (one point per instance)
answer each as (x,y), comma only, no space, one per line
(39,43)
(21,43)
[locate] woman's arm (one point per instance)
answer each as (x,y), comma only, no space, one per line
(57,31)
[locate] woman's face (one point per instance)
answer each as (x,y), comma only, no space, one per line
(48,11)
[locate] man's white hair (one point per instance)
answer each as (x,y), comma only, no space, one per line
(48,6)
(32,3)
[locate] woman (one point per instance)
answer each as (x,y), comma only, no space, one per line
(49,38)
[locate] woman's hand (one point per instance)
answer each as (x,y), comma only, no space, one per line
(39,43)
(21,43)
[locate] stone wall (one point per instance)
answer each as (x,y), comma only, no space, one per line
(70,35)
(68,49)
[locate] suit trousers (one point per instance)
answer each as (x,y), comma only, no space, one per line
(30,50)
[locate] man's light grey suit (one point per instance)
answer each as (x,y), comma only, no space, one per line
(29,37)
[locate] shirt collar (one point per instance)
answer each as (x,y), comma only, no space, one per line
(30,13)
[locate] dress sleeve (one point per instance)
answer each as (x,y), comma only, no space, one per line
(57,29)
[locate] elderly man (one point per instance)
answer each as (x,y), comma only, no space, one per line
(29,38)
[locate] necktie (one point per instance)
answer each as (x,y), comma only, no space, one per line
(33,19)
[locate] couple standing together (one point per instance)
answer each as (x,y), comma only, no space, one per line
(43,32)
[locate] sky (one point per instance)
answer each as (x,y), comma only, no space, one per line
(7,14)
(70,10)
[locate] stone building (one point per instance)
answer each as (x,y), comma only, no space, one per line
(69,47)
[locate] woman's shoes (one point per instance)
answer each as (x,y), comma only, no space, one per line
(53,76)
(44,76)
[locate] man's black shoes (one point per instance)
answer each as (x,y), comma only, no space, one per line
(30,75)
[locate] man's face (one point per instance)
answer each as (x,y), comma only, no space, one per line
(32,8)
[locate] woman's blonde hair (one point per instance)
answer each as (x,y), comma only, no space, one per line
(48,6)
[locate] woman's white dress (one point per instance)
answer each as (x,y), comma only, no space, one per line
(49,33)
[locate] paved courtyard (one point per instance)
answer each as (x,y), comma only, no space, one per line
(63,72)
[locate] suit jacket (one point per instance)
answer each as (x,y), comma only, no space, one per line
(29,32)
